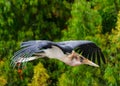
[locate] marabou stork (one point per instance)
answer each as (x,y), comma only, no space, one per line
(73,53)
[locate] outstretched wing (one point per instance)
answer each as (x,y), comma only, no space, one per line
(87,48)
(29,48)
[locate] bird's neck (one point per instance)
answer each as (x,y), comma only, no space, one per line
(71,62)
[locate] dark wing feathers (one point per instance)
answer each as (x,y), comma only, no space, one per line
(103,58)
(93,56)
(87,48)
(39,44)
(98,55)
(73,44)
(29,48)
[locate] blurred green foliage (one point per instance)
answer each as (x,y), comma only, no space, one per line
(40,76)
(59,20)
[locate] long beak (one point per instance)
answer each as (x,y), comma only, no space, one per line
(86,61)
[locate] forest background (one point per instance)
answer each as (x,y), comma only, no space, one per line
(60,20)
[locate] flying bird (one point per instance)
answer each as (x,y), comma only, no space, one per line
(73,53)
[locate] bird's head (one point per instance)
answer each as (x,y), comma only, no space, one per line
(84,60)
(78,59)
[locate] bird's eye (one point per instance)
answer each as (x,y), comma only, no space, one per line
(81,59)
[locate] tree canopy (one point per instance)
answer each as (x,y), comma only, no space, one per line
(60,20)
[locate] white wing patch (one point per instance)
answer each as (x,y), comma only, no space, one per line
(26,59)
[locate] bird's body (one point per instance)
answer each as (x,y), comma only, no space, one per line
(63,51)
